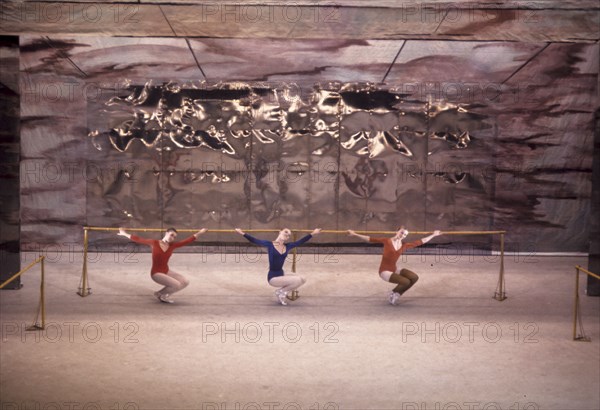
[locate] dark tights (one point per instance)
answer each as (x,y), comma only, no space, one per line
(405,280)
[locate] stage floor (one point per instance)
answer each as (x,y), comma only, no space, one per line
(226,344)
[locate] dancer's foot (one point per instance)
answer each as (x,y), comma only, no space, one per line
(281,295)
(393,298)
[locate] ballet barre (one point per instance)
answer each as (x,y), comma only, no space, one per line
(85,290)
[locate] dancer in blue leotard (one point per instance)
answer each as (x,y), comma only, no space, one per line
(278,251)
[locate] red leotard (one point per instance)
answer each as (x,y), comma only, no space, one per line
(390,255)
(160,258)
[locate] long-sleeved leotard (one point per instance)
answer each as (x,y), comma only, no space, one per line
(276,259)
(390,255)
(160,258)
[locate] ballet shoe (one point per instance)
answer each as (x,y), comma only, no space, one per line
(165,299)
(281,296)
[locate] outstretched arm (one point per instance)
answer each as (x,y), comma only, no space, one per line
(430,237)
(304,239)
(362,237)
(200,232)
(189,240)
(252,239)
(134,238)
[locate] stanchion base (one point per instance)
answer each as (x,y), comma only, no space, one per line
(500,296)
(582,339)
(83,294)
(34,327)
(293,295)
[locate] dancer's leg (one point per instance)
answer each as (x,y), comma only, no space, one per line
(287,283)
(183,281)
(405,280)
(170,284)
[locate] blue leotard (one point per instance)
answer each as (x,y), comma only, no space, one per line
(276,259)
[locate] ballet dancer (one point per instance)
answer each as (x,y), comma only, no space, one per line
(392,249)
(161,252)
(278,251)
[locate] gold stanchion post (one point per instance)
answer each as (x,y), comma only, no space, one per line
(576,303)
(43,298)
(84,290)
(500,295)
(576,314)
(42,307)
(294,236)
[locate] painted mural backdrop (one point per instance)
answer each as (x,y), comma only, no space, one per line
(330,133)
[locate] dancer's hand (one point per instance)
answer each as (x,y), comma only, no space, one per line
(316,231)
(238,230)
(351,232)
(200,232)
(430,237)
(123,233)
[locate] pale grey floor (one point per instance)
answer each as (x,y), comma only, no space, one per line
(227,345)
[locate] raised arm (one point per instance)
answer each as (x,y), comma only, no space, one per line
(430,237)
(200,232)
(134,238)
(304,239)
(188,240)
(361,237)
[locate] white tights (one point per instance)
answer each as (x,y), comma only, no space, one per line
(287,283)
(172,282)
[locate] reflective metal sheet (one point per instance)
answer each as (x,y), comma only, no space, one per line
(265,155)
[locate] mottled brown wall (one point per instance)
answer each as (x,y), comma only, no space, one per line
(9,159)
(527,169)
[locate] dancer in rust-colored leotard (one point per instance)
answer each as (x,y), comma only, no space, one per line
(392,249)
(161,253)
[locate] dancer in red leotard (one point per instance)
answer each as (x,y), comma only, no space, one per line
(392,249)
(161,253)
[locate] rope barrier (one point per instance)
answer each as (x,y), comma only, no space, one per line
(42,305)
(576,316)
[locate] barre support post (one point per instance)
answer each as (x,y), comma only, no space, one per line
(84,290)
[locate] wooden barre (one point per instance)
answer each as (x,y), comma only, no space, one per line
(84,289)
(98,228)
